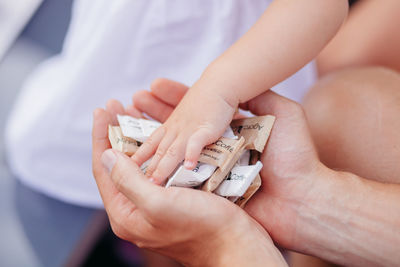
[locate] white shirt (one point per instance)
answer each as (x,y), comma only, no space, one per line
(112,49)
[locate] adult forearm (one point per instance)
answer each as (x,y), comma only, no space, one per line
(248,244)
(286,37)
(350,220)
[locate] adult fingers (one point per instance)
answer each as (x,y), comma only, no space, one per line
(114,107)
(147,103)
(272,103)
(100,143)
(129,179)
(134,112)
(168,91)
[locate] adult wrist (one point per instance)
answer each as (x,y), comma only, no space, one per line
(347,221)
(312,205)
(247,244)
(327,214)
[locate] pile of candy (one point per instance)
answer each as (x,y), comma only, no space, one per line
(228,167)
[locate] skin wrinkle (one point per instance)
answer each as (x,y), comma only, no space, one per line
(317,218)
(371,223)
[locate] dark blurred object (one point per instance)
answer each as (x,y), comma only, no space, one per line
(41,38)
(112,251)
(351,2)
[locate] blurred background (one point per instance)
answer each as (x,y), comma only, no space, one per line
(31,31)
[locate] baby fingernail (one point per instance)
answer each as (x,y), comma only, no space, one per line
(108,159)
(189,164)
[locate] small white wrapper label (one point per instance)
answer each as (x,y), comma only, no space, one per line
(191,178)
(244,159)
(137,129)
(131,127)
(238,180)
(148,127)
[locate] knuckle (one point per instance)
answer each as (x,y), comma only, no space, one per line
(118,231)
(149,142)
(140,244)
(139,97)
(117,226)
(138,158)
(144,242)
(155,206)
(296,108)
(204,133)
(156,83)
(171,152)
(144,150)
(290,108)
(252,105)
(160,152)
(203,136)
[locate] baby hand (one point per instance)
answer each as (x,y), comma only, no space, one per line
(199,119)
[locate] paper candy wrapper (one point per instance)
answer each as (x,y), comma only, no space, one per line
(255,185)
(220,174)
(238,180)
(239,147)
(183,177)
(121,143)
(217,153)
(137,129)
(255,131)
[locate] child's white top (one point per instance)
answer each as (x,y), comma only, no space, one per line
(112,49)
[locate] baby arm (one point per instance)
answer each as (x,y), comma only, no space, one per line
(287,36)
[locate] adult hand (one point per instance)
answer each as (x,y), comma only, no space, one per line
(304,205)
(191,226)
(290,160)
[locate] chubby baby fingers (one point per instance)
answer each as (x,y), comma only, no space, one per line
(196,142)
(162,149)
(148,148)
(172,157)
